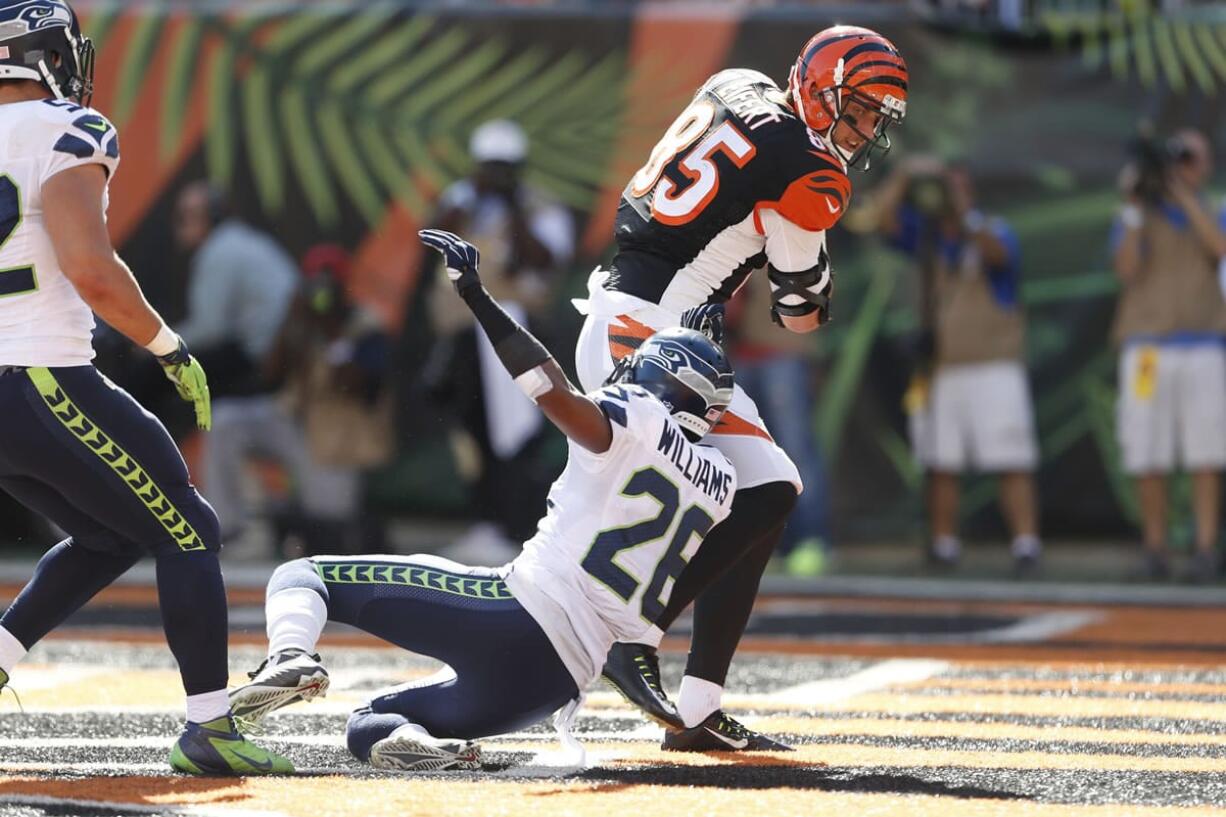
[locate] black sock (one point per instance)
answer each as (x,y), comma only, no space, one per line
(723,597)
(192,596)
(722,611)
(66,578)
(756,512)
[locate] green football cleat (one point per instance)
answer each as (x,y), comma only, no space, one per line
(217,748)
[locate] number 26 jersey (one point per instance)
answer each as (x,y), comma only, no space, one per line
(619,529)
(737,180)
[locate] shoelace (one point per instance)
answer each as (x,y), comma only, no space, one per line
(247,726)
(16,697)
(734,728)
(649,668)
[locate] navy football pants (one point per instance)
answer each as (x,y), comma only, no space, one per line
(507,674)
(83,453)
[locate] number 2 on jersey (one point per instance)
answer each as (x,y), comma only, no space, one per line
(599,561)
(675,206)
(18,280)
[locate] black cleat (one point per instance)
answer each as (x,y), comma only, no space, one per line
(634,671)
(720,733)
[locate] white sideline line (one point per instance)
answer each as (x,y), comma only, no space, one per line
(833,691)
(133,808)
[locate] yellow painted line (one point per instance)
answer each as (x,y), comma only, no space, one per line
(1035,705)
(888,727)
(844,755)
(1006,685)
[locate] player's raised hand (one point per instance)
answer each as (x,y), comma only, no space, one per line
(460,257)
(190,382)
(707,319)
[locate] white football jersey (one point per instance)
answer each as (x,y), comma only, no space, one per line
(620,528)
(43,321)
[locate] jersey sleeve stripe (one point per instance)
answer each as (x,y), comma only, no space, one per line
(74,146)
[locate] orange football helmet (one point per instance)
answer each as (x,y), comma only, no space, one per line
(844,64)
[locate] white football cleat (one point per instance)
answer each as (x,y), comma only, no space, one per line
(411,749)
(282,679)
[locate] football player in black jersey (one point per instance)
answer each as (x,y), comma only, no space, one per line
(750,175)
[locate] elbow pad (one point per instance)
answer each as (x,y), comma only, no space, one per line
(797,294)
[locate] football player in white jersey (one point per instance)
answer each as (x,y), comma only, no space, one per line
(73,446)
(629,511)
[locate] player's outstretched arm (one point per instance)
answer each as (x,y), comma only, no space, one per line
(529,363)
(76,221)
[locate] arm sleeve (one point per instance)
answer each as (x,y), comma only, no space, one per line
(790,248)
(80,137)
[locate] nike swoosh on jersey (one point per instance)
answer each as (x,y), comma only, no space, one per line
(834,208)
(101,127)
(735,744)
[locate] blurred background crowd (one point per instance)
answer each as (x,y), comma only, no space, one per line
(1029,343)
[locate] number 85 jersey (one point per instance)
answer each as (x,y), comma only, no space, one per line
(620,528)
(738,180)
(43,321)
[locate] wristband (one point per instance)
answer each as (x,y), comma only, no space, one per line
(165,342)
(534,383)
(1131,216)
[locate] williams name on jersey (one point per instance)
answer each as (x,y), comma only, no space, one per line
(737,181)
(43,321)
(620,528)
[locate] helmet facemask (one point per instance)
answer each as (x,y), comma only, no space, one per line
(890,111)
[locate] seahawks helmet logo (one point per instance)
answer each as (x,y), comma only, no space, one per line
(714,387)
(37,14)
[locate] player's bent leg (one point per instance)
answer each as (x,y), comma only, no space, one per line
(392,742)
(66,577)
(296,609)
(115,463)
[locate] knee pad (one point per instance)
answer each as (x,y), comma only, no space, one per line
(365,728)
(299,573)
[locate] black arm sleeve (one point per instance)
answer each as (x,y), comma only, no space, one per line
(518,350)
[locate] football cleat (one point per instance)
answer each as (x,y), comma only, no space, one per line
(634,671)
(289,676)
(411,749)
(720,733)
(217,748)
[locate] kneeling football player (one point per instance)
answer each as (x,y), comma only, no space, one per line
(629,511)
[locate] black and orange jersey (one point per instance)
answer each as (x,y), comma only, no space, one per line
(691,224)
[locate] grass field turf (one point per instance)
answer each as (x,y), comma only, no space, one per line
(895,708)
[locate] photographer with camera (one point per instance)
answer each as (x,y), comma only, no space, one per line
(527,240)
(969,404)
(1170,325)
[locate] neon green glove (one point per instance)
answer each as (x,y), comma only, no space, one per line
(190,382)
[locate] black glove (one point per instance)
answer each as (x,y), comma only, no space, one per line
(707,319)
(460,257)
